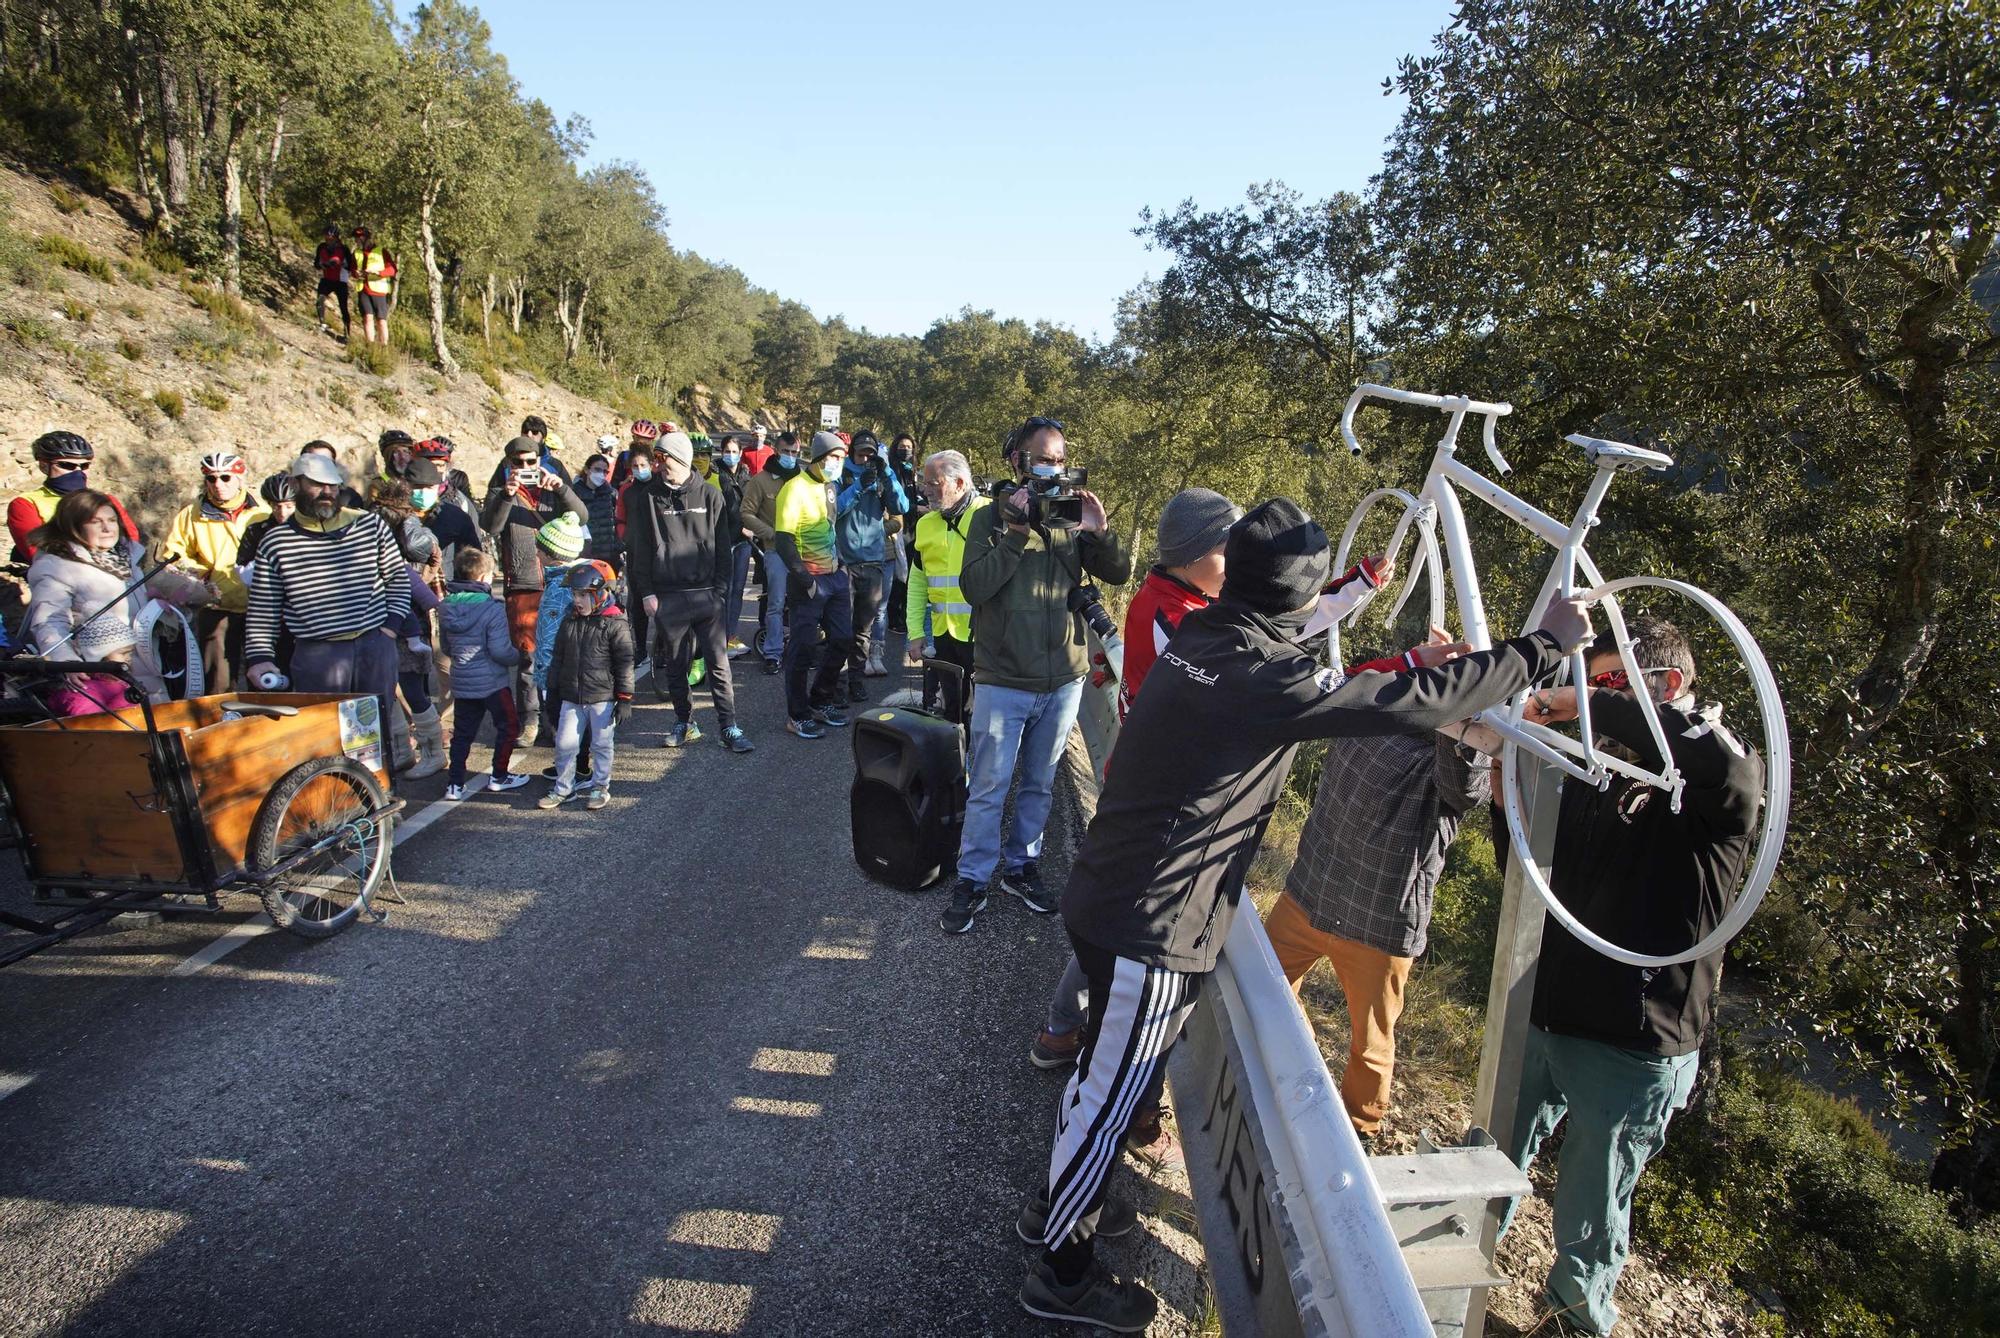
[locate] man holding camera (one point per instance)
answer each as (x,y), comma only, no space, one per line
(520,500)
(872,494)
(1024,557)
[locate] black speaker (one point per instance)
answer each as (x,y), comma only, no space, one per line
(907,802)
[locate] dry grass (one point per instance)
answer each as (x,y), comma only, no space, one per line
(74,255)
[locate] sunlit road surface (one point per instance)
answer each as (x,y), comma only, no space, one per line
(674,1066)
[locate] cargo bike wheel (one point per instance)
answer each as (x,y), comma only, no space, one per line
(320,846)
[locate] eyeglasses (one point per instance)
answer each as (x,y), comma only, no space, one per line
(68,466)
(1616,679)
(218,478)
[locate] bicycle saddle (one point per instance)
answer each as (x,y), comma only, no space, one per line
(1619,454)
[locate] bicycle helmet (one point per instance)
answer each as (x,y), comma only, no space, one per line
(62,446)
(277,488)
(586,578)
(393,437)
(434,449)
(645,429)
(224,462)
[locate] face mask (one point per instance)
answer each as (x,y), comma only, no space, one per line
(728,459)
(74,481)
(642,472)
(831,468)
(423,499)
(1046,471)
(597,478)
(788,462)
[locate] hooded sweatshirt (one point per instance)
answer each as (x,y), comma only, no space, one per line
(473,625)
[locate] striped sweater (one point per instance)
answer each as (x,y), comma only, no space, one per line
(326,585)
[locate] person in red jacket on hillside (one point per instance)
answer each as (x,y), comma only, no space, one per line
(335,264)
(64,459)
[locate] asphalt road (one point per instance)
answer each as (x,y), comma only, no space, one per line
(672,1066)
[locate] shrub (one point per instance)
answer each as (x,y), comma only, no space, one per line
(491,376)
(340,395)
(72,254)
(208,397)
(372,358)
(76,311)
(214,346)
(65,200)
(29,331)
(133,310)
(386,398)
(159,252)
(132,350)
(137,273)
(170,403)
(22,261)
(1777,1182)
(222,307)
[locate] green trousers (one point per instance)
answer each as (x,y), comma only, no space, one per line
(1618,1102)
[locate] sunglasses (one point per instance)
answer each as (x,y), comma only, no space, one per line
(69,466)
(1616,679)
(218,478)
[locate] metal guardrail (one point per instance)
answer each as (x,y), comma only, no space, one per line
(1298,1234)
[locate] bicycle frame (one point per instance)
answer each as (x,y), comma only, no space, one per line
(1437,505)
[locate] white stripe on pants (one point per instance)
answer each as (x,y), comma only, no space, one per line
(1144,1011)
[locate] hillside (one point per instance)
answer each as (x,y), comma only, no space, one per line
(155,369)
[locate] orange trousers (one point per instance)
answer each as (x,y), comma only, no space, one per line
(1373,982)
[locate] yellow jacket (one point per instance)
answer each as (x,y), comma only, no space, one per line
(940,547)
(207,547)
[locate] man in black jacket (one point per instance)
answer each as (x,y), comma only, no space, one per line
(1616,1046)
(1201,761)
(677,556)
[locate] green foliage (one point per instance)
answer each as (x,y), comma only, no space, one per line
(218,345)
(371,357)
(22,261)
(137,272)
(73,254)
(386,398)
(76,311)
(171,403)
(224,308)
(30,331)
(132,350)
(64,199)
(1776,1181)
(340,395)
(208,397)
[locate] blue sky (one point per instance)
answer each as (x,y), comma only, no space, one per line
(893,163)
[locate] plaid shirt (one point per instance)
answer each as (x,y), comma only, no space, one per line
(1373,849)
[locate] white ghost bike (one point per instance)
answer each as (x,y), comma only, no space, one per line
(1434,508)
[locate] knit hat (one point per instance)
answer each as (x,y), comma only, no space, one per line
(562,537)
(823,445)
(1277,558)
(675,446)
(1193,524)
(105,636)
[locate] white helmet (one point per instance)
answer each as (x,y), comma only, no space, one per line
(224,462)
(608,443)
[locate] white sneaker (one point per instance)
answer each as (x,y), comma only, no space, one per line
(454,792)
(511,781)
(641,669)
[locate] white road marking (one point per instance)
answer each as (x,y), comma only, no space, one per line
(241,934)
(11,1083)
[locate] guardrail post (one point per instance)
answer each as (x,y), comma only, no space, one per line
(1516,951)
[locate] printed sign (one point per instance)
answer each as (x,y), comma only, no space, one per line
(361,731)
(829,415)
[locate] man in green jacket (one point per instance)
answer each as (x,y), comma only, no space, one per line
(1030,654)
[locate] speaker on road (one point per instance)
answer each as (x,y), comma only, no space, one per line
(907,802)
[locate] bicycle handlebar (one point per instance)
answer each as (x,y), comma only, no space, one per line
(1456,405)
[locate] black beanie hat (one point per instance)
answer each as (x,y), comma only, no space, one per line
(1277,558)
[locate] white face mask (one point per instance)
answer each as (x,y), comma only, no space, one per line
(831,468)
(597,478)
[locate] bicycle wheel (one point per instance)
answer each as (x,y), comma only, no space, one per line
(316,849)
(1757,680)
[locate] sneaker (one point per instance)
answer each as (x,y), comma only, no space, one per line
(736,741)
(1115,1218)
(454,792)
(875,668)
(773,666)
(681,733)
(966,902)
(805,729)
(831,716)
(1100,1299)
(513,780)
(736,648)
(1054,1050)
(555,799)
(1026,883)
(857,692)
(597,799)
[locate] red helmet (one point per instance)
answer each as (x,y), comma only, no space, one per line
(434,448)
(645,429)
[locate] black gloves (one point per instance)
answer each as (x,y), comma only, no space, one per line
(622,712)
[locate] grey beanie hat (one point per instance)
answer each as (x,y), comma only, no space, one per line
(675,446)
(1194,523)
(823,445)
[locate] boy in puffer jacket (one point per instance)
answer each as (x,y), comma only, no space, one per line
(590,675)
(560,546)
(473,624)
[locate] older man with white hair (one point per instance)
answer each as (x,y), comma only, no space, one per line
(940,621)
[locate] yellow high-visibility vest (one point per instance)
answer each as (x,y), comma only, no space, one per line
(941,546)
(373,264)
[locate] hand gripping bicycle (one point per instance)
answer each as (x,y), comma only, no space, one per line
(1434,508)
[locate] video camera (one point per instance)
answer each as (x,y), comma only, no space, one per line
(1053,502)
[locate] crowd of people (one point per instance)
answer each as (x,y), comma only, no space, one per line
(542,607)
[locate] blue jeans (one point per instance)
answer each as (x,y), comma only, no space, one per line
(1618,1102)
(1009,726)
(775,580)
(819,604)
(739,577)
(571,727)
